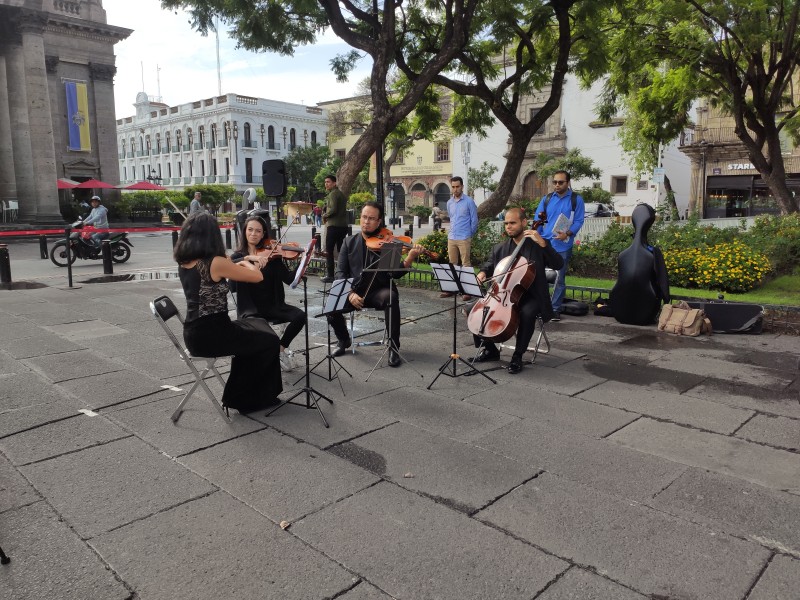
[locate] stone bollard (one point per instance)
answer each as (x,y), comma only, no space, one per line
(43,247)
(228,239)
(108,265)
(174,238)
(5,265)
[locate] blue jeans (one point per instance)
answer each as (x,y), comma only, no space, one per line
(561,286)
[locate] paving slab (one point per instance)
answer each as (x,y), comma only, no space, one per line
(453,418)
(781,580)
(18,329)
(254,469)
(364,591)
(26,388)
(53,439)
(158,362)
(786,402)
(766,516)
(782,432)
(104,487)
(40,345)
(579,584)
(199,426)
(411,547)
(639,547)
(71,365)
(597,463)
(721,368)
(770,467)
(15,491)
(9,365)
(608,367)
(216,547)
(668,406)
(86,330)
(347,421)
(463,477)
(50,562)
(518,398)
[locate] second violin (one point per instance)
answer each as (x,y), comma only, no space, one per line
(385,236)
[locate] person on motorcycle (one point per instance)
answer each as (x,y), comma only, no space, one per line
(99,218)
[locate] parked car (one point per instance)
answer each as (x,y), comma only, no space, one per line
(595,209)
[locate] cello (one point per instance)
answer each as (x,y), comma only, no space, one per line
(496,316)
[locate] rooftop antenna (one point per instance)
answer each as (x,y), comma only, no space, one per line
(158,81)
(142,63)
(219,70)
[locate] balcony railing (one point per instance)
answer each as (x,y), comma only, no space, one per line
(211,145)
(198,146)
(142,153)
(249,144)
(273,146)
(176,148)
(223,144)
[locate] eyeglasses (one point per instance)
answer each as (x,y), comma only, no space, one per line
(370,218)
(555,182)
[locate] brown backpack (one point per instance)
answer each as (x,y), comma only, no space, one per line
(682,319)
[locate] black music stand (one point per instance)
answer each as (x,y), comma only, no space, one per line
(335,302)
(312,395)
(460,280)
(387,262)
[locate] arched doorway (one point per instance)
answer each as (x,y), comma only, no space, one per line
(419,195)
(441,194)
(533,188)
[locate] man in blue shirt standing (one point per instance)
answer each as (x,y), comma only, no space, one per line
(463,226)
(561,232)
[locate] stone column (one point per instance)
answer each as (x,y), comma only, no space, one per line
(104,134)
(8,183)
(40,119)
(20,134)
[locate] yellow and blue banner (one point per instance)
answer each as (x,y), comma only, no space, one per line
(78,116)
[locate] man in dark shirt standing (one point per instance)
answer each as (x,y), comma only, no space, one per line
(335,219)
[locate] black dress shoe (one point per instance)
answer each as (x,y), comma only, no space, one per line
(515,366)
(327,279)
(341,347)
(394,359)
(487,356)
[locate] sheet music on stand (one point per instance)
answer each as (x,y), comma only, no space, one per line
(301,268)
(457,279)
(389,259)
(336,300)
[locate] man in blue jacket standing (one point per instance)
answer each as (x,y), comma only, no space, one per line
(565,212)
(463,227)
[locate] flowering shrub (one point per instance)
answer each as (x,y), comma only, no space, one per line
(778,238)
(729,266)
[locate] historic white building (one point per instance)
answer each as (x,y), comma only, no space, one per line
(224,139)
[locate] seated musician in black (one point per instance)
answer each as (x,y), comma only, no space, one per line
(267,299)
(536,299)
(372,290)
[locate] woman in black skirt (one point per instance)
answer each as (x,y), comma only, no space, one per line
(255,378)
(267,298)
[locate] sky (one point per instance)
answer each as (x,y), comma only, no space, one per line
(165,56)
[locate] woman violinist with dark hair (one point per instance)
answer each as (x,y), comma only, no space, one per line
(255,378)
(267,298)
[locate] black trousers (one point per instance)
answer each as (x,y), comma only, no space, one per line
(334,236)
(528,310)
(376,298)
(295,317)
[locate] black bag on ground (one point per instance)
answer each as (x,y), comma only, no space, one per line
(574,308)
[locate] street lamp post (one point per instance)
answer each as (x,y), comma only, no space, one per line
(235,138)
(154,177)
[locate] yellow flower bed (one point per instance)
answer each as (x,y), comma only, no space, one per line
(730,267)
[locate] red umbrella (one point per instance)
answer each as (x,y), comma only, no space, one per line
(144,185)
(92,184)
(66,184)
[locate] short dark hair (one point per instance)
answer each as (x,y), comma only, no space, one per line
(565,173)
(373,204)
(243,245)
(200,237)
(457,178)
(332,177)
(523,216)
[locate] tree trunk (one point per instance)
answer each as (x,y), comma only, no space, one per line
(505,187)
(673,206)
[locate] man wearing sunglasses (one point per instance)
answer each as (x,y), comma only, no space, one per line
(565,211)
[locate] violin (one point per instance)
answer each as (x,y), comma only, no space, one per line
(274,249)
(385,236)
(496,317)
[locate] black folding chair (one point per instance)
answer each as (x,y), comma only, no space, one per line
(163,310)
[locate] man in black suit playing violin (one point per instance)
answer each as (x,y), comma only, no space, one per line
(536,298)
(373,290)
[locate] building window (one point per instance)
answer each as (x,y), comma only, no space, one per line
(203,166)
(313,138)
(158,143)
(642,184)
(442,151)
(227,167)
(619,185)
(124,173)
(271,138)
(357,129)
(169,169)
(401,158)
(247,139)
(339,154)
(248,170)
(534,112)
(292,139)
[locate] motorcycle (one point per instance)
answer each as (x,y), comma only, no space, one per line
(81,246)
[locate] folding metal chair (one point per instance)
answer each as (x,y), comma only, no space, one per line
(163,310)
(552,278)
(368,342)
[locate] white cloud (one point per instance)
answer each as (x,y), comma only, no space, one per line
(187,62)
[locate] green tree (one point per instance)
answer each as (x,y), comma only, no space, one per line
(573,162)
(482,178)
(421,34)
(302,165)
(525,48)
(739,54)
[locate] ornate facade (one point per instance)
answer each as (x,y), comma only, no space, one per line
(46,47)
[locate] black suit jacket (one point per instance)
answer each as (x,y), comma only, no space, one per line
(541,258)
(351,262)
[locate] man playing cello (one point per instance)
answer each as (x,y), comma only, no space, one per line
(370,289)
(536,299)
